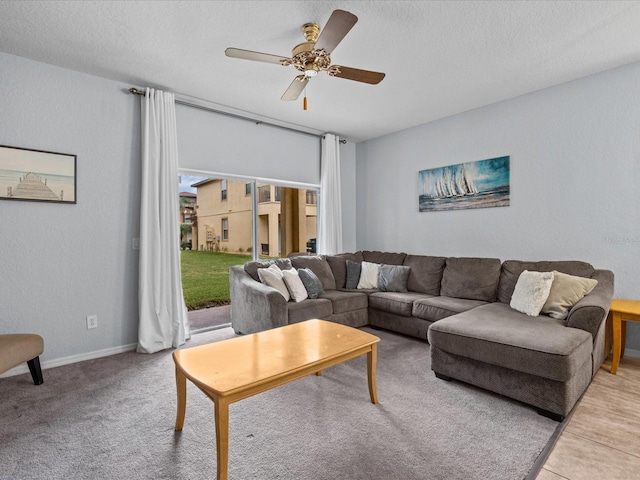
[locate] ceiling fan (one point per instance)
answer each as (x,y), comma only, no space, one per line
(312,56)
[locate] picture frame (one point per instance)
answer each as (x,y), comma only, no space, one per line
(37,175)
(479,184)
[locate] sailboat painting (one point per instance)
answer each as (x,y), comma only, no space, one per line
(480,184)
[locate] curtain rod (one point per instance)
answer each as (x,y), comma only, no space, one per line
(135,91)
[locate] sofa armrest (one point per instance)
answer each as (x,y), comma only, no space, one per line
(589,313)
(254,306)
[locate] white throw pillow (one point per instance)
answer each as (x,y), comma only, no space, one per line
(369,275)
(294,284)
(272,277)
(532,290)
(566,291)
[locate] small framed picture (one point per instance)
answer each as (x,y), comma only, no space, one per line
(37,175)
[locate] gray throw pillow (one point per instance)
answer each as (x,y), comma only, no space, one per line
(311,282)
(393,278)
(353,274)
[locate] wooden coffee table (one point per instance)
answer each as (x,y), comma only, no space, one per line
(230,370)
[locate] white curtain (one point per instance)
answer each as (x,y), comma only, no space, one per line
(163,314)
(330,228)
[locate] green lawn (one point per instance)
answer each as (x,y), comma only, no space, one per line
(205,277)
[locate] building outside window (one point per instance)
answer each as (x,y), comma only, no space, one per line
(247,188)
(223,189)
(225,229)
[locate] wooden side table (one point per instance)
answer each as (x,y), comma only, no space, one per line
(621,312)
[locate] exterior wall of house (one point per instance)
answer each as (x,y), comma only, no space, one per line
(236,210)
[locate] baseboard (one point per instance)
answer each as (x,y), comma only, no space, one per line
(58,362)
(631,353)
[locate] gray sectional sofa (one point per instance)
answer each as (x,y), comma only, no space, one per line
(461,306)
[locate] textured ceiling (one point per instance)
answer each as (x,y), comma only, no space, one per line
(440,58)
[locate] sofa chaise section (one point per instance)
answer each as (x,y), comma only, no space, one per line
(542,361)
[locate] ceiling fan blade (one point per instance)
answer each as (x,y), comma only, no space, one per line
(296,88)
(365,76)
(338,25)
(256,56)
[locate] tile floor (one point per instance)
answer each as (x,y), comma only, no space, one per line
(602,439)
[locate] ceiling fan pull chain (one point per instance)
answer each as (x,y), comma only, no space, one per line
(304,101)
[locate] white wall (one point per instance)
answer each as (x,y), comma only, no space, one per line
(575,181)
(61,262)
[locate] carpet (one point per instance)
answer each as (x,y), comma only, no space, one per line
(113,418)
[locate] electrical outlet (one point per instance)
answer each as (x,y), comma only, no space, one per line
(135,243)
(92,321)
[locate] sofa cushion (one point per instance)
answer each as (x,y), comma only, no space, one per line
(566,291)
(346,301)
(531,291)
(395,302)
(511,270)
(425,274)
(319,266)
(337,263)
(498,335)
(296,288)
(310,308)
(388,258)
(436,308)
(369,275)
(354,269)
(252,267)
(273,277)
(472,278)
(311,282)
(393,278)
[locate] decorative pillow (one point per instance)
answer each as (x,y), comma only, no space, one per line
(311,282)
(272,276)
(295,285)
(532,290)
(393,278)
(353,274)
(566,291)
(369,275)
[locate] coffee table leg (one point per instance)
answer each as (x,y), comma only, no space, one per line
(221,414)
(181,388)
(372,360)
(617,340)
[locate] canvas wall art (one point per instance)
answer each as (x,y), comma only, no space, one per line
(36,175)
(480,184)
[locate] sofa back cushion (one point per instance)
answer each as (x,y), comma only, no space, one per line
(319,266)
(338,265)
(511,270)
(252,267)
(425,274)
(388,258)
(472,278)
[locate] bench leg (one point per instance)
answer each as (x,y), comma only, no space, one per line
(36,371)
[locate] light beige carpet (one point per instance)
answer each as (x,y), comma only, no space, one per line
(112,418)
